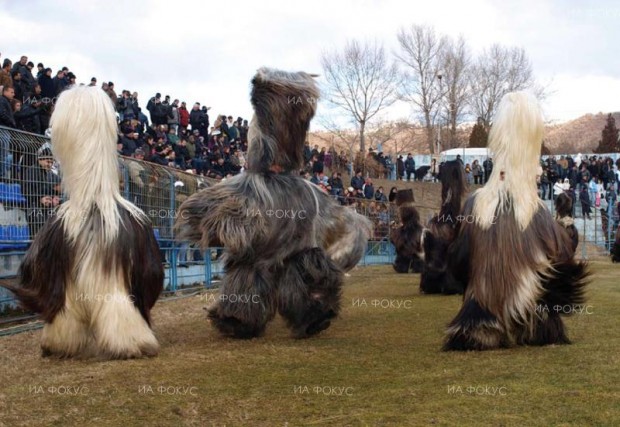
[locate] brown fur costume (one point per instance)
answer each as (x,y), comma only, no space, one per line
(94,270)
(563,212)
(436,277)
(407,239)
(516,261)
(287,242)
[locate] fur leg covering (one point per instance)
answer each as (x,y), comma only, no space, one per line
(312,291)
(564,290)
(615,251)
(246,302)
(65,336)
(436,277)
(402,264)
(417,265)
(474,328)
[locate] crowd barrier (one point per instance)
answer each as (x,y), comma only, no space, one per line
(29,194)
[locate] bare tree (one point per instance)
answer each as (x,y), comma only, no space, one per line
(360,81)
(395,137)
(499,70)
(420,55)
(455,60)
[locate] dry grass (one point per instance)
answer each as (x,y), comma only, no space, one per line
(387,361)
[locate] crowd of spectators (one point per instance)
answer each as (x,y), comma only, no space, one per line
(592,182)
(168,133)
(174,136)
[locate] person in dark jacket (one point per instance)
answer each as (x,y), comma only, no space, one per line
(392,195)
(409,166)
(24,68)
(6,110)
(41,188)
(157,110)
(368,189)
(162,155)
(400,168)
(487,165)
(336,182)
(26,117)
(27,76)
(130,142)
(584,198)
(43,105)
(8,120)
(47,84)
(183,157)
(21,89)
(60,83)
(219,169)
(357,182)
(380,196)
(317,165)
(197,119)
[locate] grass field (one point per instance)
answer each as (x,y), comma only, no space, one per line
(379,364)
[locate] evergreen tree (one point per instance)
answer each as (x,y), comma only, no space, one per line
(609,137)
(479,137)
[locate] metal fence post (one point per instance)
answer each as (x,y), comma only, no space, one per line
(208,272)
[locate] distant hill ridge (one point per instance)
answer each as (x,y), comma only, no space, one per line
(580,135)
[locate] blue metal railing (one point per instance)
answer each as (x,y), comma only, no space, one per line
(183,273)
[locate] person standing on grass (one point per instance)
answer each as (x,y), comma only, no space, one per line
(584,198)
(476,170)
(400,168)
(410,166)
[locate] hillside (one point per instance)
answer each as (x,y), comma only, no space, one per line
(577,136)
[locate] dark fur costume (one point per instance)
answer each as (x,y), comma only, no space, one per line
(93,272)
(516,261)
(615,250)
(436,277)
(407,239)
(287,242)
(563,216)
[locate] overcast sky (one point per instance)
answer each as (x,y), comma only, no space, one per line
(208,51)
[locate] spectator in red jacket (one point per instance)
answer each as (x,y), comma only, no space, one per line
(183,117)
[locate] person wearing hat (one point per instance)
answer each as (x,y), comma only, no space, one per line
(41,188)
(112,94)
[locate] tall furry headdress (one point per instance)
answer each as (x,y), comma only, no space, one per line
(515,141)
(88,159)
(284,103)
